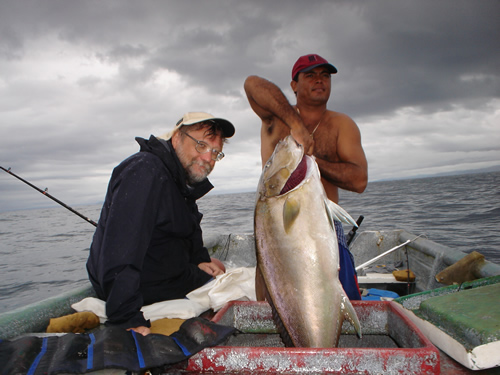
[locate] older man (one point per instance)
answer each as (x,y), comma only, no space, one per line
(148,243)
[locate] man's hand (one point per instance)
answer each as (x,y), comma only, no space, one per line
(214,268)
(142,330)
(302,136)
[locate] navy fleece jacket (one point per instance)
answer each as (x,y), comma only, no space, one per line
(148,241)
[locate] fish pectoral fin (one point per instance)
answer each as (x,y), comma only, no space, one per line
(335,212)
(350,314)
(291,209)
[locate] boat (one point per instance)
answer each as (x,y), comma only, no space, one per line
(397,337)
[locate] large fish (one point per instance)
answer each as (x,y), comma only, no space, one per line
(297,250)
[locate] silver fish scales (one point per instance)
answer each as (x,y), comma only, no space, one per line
(297,251)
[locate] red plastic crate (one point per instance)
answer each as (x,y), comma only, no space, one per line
(391,343)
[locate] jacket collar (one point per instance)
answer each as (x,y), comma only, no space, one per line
(165,151)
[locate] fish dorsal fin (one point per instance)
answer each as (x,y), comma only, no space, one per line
(291,209)
(335,212)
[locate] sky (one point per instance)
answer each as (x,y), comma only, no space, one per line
(79,80)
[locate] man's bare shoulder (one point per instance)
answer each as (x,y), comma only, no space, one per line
(339,118)
(335,128)
(339,125)
(333,123)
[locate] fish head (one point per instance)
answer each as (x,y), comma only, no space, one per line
(286,157)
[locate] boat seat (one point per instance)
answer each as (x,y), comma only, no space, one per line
(474,318)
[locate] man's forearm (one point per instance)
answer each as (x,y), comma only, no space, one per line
(345,175)
(271,105)
(270,99)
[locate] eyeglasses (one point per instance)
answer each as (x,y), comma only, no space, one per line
(203,148)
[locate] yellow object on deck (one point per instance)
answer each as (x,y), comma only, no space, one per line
(82,321)
(404,275)
(74,323)
(166,326)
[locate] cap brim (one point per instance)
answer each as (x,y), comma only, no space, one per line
(226,127)
(330,67)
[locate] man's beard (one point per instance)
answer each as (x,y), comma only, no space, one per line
(193,177)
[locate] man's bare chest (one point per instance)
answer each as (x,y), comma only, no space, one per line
(325,150)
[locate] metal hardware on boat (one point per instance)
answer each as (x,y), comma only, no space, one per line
(384,254)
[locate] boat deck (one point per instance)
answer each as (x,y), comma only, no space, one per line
(426,260)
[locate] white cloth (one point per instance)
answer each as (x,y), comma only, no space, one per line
(235,284)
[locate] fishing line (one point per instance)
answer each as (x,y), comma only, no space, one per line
(225,248)
(44,192)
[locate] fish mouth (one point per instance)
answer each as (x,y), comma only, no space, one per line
(282,164)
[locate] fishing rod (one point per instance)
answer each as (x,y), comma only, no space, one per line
(352,233)
(387,253)
(44,192)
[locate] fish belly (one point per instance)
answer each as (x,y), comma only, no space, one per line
(299,265)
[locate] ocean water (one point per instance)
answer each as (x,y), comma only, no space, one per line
(43,252)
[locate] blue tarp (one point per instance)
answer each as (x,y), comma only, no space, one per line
(108,348)
(375,294)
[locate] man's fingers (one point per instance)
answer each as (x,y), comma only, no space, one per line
(142,330)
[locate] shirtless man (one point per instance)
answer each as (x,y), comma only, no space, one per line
(332,137)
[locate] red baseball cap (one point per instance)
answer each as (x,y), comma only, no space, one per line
(309,62)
